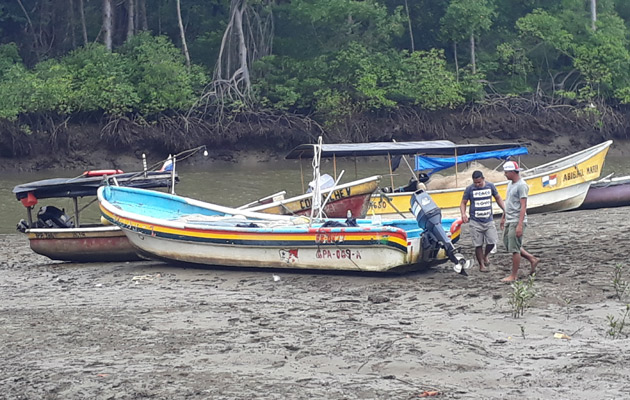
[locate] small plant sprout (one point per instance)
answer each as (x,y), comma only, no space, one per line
(616,325)
(522,293)
(619,284)
(567,302)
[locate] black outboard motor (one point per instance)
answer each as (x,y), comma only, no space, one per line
(429,217)
(52,217)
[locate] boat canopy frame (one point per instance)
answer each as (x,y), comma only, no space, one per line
(393,149)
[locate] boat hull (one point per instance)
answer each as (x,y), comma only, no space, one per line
(342,257)
(93,244)
(606,193)
(157,227)
(353,197)
(86,243)
(557,186)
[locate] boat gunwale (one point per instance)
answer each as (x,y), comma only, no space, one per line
(113,211)
(372,179)
(594,150)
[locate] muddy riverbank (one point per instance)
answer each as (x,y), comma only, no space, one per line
(151,330)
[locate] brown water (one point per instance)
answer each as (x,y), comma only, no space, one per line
(233,184)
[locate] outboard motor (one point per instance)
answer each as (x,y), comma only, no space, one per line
(52,217)
(429,217)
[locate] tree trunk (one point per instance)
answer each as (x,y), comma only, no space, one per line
(472,53)
(131,18)
(248,37)
(413,47)
(83,25)
(242,50)
(142,17)
(108,23)
(72,23)
(182,34)
(593,14)
(456,62)
(36,42)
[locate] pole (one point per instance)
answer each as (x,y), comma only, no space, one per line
(456,185)
(76,212)
(391,173)
(173,176)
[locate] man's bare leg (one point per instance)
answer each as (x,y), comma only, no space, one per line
(516,262)
(533,261)
(489,248)
(481,258)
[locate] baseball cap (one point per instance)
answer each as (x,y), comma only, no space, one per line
(511,166)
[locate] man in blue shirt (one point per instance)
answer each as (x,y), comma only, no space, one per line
(514,219)
(482,227)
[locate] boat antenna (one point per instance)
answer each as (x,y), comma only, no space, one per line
(173,161)
(316,199)
(144,164)
(184,155)
(181,156)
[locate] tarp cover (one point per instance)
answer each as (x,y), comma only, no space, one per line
(87,186)
(433,147)
(435,164)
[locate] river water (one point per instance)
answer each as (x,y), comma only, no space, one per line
(234,184)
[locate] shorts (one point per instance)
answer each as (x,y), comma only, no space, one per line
(483,233)
(512,243)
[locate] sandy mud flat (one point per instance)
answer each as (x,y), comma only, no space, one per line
(148,330)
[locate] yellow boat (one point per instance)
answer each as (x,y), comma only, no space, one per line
(555,186)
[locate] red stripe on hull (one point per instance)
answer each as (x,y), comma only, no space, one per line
(358,205)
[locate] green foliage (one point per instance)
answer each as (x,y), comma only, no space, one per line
(601,56)
(330,58)
(424,79)
(51,90)
(472,85)
(616,325)
(159,75)
(43,90)
(621,286)
(101,81)
(514,63)
(542,27)
(9,56)
(15,88)
(147,76)
(522,294)
(310,28)
(467,17)
(355,80)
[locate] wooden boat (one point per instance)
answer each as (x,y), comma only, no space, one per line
(555,186)
(608,192)
(58,236)
(352,197)
(173,228)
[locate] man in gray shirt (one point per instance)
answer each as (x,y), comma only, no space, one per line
(514,220)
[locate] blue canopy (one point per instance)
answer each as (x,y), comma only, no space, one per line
(435,164)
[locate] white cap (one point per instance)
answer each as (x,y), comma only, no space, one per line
(511,166)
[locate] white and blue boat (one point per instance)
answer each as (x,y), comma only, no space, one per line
(168,227)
